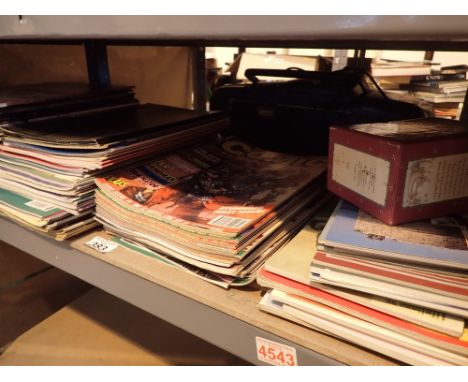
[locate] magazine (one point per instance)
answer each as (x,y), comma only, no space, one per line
(434,243)
(218,189)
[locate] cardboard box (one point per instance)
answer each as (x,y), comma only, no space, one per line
(401,171)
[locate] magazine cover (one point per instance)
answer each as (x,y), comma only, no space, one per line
(438,241)
(224,187)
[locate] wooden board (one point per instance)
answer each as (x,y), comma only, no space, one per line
(30,302)
(99,329)
(16,265)
(239,303)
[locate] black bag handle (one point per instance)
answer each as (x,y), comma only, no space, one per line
(294,72)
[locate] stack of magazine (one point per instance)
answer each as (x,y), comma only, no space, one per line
(49,101)
(398,290)
(441,91)
(52,148)
(220,208)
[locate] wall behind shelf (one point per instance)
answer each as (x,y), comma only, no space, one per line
(159,74)
(26,64)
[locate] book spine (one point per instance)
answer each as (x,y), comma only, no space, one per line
(415,87)
(432,79)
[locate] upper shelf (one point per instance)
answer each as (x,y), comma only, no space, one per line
(447,32)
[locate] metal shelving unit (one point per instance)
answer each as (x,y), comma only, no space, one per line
(216,327)
(441,32)
(97,32)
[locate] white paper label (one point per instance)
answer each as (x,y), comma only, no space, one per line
(228,221)
(432,180)
(101,245)
(275,353)
(362,173)
(38,205)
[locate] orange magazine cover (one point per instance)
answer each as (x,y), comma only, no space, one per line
(219,188)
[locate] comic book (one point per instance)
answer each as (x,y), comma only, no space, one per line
(218,190)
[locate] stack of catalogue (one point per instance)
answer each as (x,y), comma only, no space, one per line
(438,90)
(444,90)
(57,139)
(217,209)
(399,290)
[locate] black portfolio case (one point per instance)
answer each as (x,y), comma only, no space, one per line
(295,115)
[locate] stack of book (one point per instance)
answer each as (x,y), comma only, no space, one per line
(53,146)
(390,73)
(220,208)
(399,290)
(441,92)
(48,101)
(444,89)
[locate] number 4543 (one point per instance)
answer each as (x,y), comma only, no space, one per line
(276,356)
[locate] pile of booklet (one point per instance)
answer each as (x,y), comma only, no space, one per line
(439,90)
(218,209)
(48,101)
(398,290)
(56,142)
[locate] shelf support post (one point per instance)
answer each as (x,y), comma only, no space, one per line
(96,60)
(464,111)
(340,59)
(199,78)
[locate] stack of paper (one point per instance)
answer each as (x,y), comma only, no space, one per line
(441,91)
(49,101)
(423,263)
(47,167)
(369,315)
(220,207)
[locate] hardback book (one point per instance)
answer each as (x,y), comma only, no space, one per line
(463,83)
(453,90)
(388,68)
(453,69)
(428,96)
(436,77)
(401,171)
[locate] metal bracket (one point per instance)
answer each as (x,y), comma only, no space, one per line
(340,59)
(96,60)
(464,112)
(199,78)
